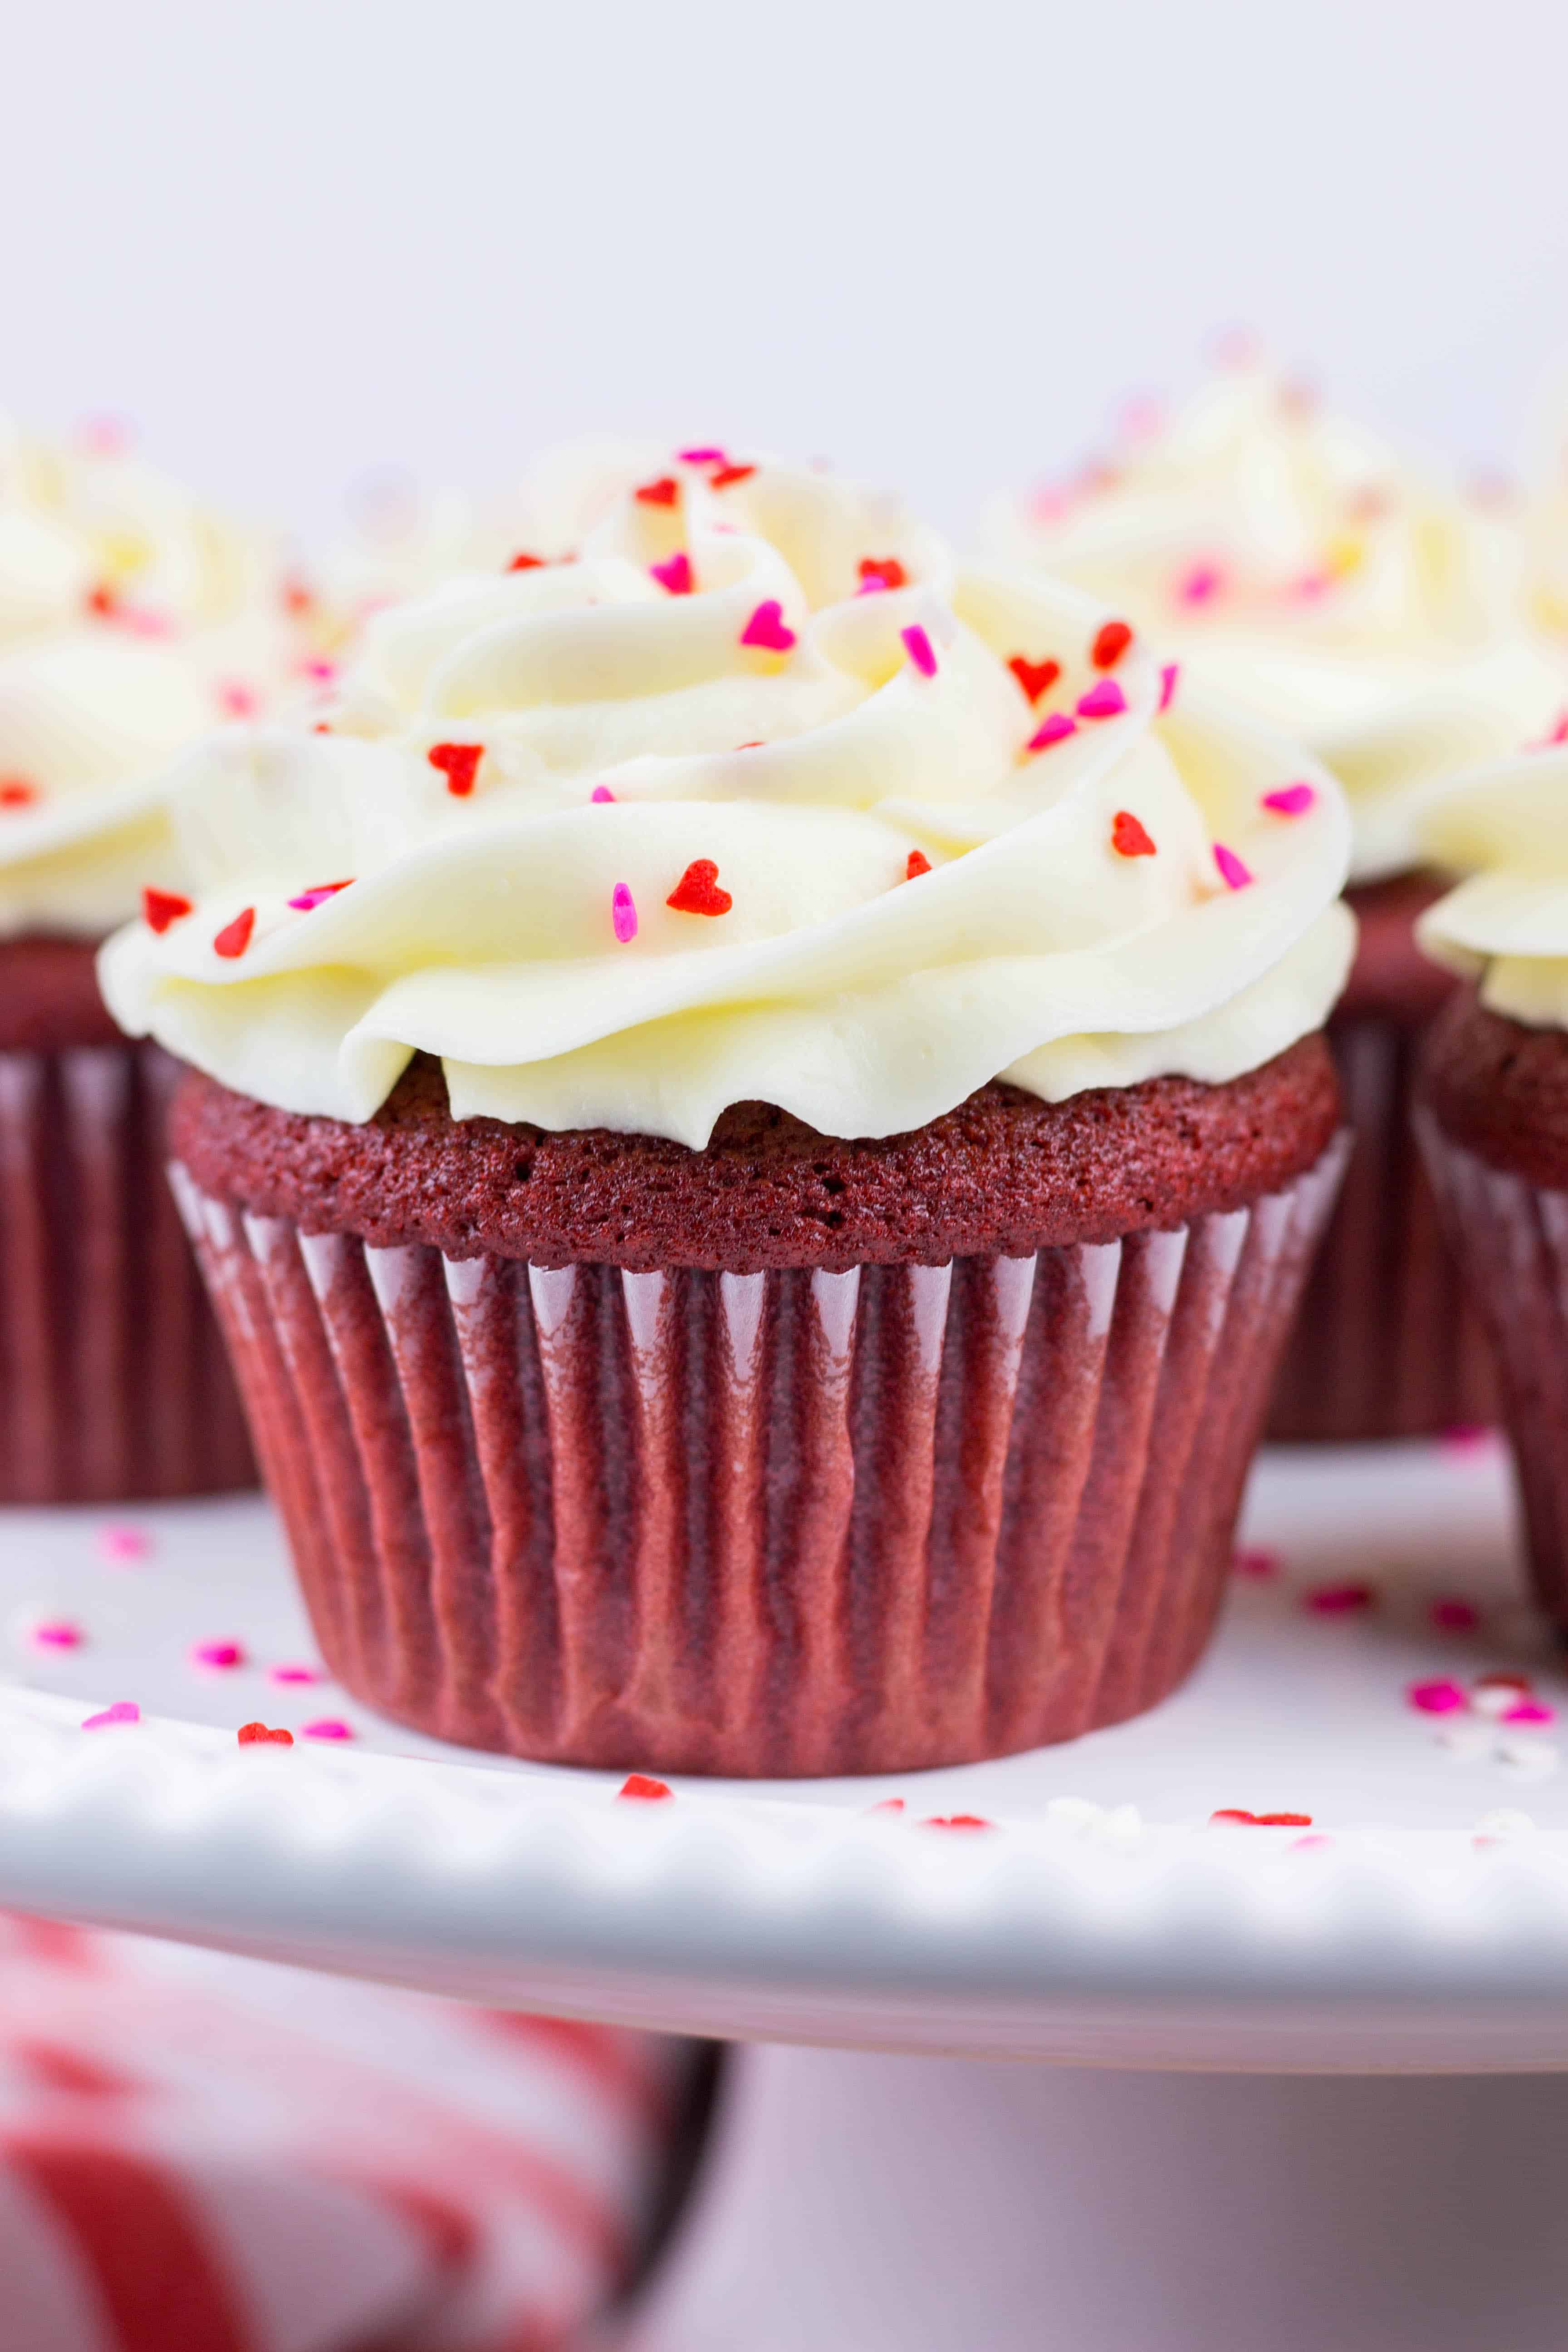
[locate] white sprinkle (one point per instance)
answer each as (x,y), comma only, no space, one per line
(1464,1741)
(1535,1758)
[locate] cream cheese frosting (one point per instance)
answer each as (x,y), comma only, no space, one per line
(131,618)
(1298,564)
(1505,830)
(751,800)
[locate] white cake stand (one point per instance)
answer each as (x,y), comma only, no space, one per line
(1420,1926)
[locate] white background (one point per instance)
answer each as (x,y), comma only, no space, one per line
(297,242)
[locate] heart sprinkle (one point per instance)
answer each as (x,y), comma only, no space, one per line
(328,1727)
(523,561)
(318,894)
(1436,1697)
(917,864)
(1169,673)
(698,891)
(1111,643)
(624,913)
(459,763)
(1233,872)
(1291,799)
(235,938)
(640,1784)
(918,645)
(256,1734)
(15,792)
(1105,700)
(1238,1818)
(125,1710)
(298,1674)
(1339,1599)
(885,570)
(703,457)
(601,793)
(956,1822)
(217,1654)
(1055,729)
(727,475)
(1035,677)
(237,700)
(59,1634)
(674,574)
(162,908)
(1200,585)
(768,628)
(660,493)
(1128,837)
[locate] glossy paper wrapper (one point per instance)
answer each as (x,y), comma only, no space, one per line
(772,1523)
(114,1385)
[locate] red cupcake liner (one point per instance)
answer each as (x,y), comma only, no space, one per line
(767,1524)
(113,1382)
(1511,1237)
(1386,1343)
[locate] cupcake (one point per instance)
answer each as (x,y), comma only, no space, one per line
(131,620)
(1299,565)
(761,1114)
(1492,1108)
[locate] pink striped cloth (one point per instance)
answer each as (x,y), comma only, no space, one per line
(201,2154)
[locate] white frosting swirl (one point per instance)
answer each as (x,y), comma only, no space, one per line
(1505,829)
(1296,564)
(131,619)
(808,737)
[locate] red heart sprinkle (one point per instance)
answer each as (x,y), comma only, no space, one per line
(884,568)
(639,1784)
(1035,677)
(253,1735)
(662,493)
(1234,1813)
(1128,837)
(919,863)
(459,763)
(698,891)
(723,476)
(298,597)
(957,1821)
(235,938)
(1109,644)
(523,561)
(15,792)
(103,601)
(1284,1820)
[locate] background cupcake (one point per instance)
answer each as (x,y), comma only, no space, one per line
(1493,1114)
(765,1120)
(1302,566)
(131,620)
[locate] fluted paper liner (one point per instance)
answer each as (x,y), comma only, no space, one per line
(1512,1239)
(762,1524)
(1386,1343)
(113,1382)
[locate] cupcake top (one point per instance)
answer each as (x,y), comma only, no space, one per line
(1297,563)
(750,800)
(131,618)
(1505,829)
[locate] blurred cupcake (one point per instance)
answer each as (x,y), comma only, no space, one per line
(130,621)
(1492,1100)
(764,1116)
(1300,565)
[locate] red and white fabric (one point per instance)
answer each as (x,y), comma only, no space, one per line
(200,2153)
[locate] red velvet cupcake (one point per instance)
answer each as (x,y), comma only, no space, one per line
(765,1120)
(130,621)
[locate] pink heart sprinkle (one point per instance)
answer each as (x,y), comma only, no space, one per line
(1233,872)
(1291,799)
(1202,583)
(1530,1711)
(238,700)
(1055,729)
(216,1654)
(624,914)
(125,1710)
(308,899)
(918,645)
(768,628)
(298,1674)
(674,573)
(1456,1616)
(703,457)
(328,1727)
(59,1634)
(1438,1698)
(1306,1844)
(1170,672)
(1253,1561)
(1339,1599)
(601,793)
(871,584)
(119,1543)
(324,671)
(1105,700)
